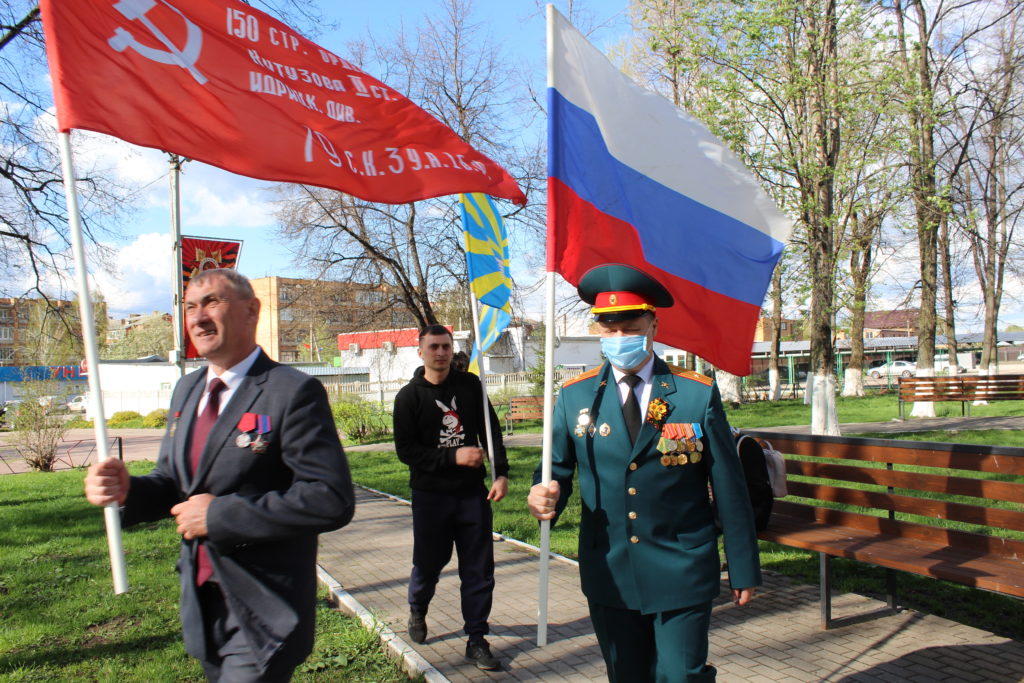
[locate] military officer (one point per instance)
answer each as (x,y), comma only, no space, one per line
(647,439)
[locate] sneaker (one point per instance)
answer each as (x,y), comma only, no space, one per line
(417,626)
(479,651)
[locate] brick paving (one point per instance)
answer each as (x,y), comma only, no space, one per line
(775,638)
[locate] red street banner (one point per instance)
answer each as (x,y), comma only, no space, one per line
(228,85)
(197,254)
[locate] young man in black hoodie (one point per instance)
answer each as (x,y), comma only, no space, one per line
(440,434)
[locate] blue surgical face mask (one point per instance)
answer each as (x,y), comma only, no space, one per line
(625,352)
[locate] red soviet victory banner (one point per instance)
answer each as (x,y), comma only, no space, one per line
(226,84)
(200,253)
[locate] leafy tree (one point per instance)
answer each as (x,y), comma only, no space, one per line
(770,79)
(152,335)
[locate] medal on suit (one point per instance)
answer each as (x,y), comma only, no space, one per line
(262,427)
(605,429)
(582,422)
(246,424)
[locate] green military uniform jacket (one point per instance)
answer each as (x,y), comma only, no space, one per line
(648,538)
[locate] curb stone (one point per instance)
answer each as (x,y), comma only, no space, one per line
(411,661)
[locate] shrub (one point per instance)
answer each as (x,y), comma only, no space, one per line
(123,418)
(156,419)
(79,422)
(358,419)
(37,431)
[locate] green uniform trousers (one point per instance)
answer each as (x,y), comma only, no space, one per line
(666,647)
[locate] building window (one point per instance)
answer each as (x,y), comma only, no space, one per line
(6,355)
(370,297)
(5,314)
(6,333)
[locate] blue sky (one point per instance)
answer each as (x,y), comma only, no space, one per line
(219,204)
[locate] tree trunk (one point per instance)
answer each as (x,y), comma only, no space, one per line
(947,293)
(729,387)
(774,385)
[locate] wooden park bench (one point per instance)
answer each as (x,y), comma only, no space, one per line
(965,389)
(870,500)
(523,408)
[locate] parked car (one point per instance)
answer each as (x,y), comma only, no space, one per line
(77,404)
(901,368)
(942,363)
(7,410)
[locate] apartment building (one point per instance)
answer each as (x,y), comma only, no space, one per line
(300,319)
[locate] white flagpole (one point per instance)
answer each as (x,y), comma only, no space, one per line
(549,393)
(483,382)
(85,310)
(179,328)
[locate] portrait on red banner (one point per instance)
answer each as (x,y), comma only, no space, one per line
(199,254)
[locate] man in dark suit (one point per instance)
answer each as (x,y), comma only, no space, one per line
(252,470)
(648,438)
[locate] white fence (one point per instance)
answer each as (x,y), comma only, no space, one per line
(519,383)
(144,402)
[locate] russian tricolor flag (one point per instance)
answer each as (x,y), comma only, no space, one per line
(634,180)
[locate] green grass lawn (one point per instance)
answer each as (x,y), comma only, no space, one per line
(59,617)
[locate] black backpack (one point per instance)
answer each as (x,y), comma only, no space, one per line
(759,486)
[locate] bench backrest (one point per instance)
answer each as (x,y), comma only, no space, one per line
(526,407)
(912,489)
(962,388)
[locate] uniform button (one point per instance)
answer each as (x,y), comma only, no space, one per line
(634,539)
(631,491)
(632,515)
(632,466)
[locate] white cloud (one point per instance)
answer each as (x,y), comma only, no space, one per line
(231,205)
(143,282)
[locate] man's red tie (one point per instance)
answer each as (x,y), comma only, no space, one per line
(200,431)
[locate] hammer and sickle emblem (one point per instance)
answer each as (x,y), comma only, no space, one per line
(184,57)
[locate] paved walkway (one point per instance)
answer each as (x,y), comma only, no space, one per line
(775,638)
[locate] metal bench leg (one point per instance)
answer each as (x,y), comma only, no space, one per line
(890,586)
(825,587)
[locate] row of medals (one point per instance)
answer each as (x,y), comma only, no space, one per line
(676,451)
(584,425)
(258,445)
(680,451)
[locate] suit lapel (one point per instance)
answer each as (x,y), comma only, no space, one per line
(243,398)
(662,386)
(610,413)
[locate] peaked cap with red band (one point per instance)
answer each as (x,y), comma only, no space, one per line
(620,292)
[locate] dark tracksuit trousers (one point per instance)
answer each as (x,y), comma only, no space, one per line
(439,522)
